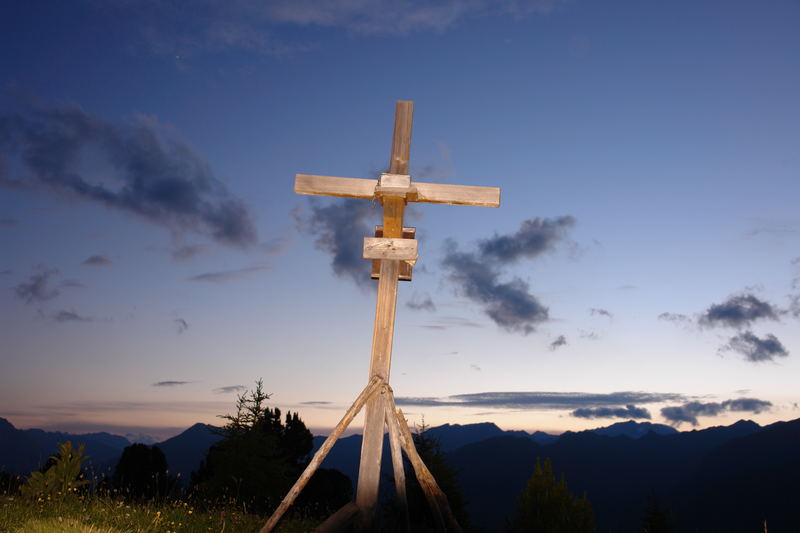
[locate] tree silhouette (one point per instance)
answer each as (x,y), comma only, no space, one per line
(258,458)
(547,506)
(141,473)
(656,518)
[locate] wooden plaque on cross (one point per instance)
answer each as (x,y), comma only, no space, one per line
(394,249)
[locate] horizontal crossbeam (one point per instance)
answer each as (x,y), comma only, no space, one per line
(382,248)
(431,193)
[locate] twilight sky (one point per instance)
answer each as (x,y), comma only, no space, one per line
(644,263)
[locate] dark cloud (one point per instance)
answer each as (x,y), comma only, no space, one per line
(156,177)
(421,302)
(543,400)
(230,388)
(71,284)
(316,403)
(594,311)
(181,324)
(170,383)
(340,227)
(629,411)
(756,349)
(6,222)
(534,237)
(509,304)
(559,342)
(794,305)
(70,316)
(6,272)
(796,279)
(187,251)
(97,260)
(476,275)
(37,288)
(689,412)
(229,275)
(738,311)
(674,317)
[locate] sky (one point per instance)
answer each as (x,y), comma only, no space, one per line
(155,262)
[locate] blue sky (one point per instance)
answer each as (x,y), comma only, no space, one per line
(645,260)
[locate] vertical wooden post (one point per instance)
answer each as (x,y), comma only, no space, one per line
(369,470)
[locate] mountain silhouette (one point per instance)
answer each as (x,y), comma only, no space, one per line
(185,451)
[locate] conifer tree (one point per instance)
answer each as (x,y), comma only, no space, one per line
(547,506)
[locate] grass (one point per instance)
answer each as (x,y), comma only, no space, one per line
(107,514)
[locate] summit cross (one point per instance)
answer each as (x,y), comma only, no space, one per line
(395,255)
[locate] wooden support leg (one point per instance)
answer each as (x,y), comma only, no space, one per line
(397,463)
(436,498)
(373,386)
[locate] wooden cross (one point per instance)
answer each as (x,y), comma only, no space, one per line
(394,190)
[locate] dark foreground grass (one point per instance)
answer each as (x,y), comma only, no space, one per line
(107,514)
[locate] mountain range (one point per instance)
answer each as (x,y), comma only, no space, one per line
(718,479)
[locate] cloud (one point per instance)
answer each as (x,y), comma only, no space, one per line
(542,400)
(230,388)
(340,227)
(559,342)
(629,411)
(689,412)
(594,311)
(230,275)
(674,317)
(421,302)
(476,275)
(170,383)
(794,305)
(447,322)
(152,174)
(475,367)
(70,316)
(590,335)
(177,29)
(756,349)
(534,237)
(738,311)
(97,260)
(316,403)
(181,324)
(37,288)
(6,222)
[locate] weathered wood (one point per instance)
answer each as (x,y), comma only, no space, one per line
(334,186)
(373,385)
(340,520)
(385,248)
(396,446)
(437,500)
(401,138)
(406,270)
(440,193)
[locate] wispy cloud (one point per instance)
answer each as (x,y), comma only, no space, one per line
(421,302)
(447,322)
(674,317)
(542,400)
(756,349)
(7,222)
(155,175)
(316,403)
(477,274)
(558,343)
(340,227)
(38,287)
(230,275)
(688,412)
(594,311)
(70,316)
(181,324)
(230,388)
(629,411)
(170,383)
(97,260)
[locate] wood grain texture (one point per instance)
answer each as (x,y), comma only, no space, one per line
(401,138)
(384,248)
(438,193)
(334,186)
(396,447)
